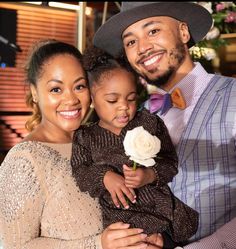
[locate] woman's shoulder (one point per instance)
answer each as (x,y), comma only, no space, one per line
(30,153)
(21,149)
(27,147)
(18,167)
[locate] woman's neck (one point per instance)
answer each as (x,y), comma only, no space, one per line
(41,134)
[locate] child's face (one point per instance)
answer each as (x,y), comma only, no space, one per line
(114,99)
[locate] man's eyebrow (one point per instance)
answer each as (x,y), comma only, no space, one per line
(143,27)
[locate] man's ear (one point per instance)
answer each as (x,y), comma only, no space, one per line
(184,32)
(34,93)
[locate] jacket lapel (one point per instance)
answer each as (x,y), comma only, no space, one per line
(201,114)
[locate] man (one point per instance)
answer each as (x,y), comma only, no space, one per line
(155,38)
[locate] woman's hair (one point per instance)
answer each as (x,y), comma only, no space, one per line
(40,53)
(97,63)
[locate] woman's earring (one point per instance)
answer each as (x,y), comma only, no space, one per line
(91,106)
(34,100)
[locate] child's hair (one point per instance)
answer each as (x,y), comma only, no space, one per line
(40,53)
(97,63)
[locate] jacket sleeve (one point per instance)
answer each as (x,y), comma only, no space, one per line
(166,166)
(89,175)
(22,198)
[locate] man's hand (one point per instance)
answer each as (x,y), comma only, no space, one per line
(115,184)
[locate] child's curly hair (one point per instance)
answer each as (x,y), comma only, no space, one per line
(97,62)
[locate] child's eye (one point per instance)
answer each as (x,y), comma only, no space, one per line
(55,90)
(131,100)
(111,101)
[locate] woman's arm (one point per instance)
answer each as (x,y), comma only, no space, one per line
(23,198)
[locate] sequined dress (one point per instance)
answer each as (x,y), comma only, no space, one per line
(41,206)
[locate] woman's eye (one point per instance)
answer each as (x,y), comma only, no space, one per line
(55,90)
(80,87)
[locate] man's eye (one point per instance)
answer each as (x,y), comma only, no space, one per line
(130,43)
(154,31)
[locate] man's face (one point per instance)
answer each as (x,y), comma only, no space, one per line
(155,49)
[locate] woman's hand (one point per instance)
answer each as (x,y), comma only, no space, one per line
(120,236)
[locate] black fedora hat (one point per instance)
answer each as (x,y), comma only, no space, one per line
(109,36)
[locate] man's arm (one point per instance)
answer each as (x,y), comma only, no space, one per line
(224,237)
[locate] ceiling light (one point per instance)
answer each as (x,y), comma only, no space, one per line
(88,10)
(37,3)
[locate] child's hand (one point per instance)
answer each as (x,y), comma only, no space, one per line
(115,184)
(139,177)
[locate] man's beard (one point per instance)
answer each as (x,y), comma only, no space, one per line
(177,54)
(161,80)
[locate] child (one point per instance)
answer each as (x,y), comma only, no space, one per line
(99,162)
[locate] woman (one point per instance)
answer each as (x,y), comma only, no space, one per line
(41,206)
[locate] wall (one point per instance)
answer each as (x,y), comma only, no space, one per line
(33,23)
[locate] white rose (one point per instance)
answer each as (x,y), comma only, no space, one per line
(141,146)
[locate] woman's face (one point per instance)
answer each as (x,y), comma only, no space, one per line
(62,95)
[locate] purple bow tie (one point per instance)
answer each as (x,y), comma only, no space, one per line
(158,102)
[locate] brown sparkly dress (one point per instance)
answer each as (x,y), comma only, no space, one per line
(41,206)
(96,150)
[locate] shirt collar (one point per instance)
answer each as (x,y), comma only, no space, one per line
(193,84)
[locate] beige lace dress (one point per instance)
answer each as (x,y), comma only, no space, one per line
(41,206)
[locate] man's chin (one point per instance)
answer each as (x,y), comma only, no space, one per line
(159,80)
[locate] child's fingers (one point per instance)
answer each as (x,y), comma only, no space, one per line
(132,191)
(115,200)
(130,195)
(122,199)
(131,182)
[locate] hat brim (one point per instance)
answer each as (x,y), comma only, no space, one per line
(109,36)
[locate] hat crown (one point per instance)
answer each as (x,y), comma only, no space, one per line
(130,5)
(109,36)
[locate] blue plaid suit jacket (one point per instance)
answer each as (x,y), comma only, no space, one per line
(207,157)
